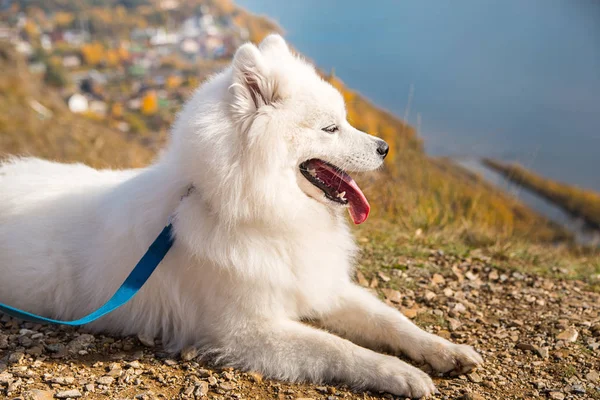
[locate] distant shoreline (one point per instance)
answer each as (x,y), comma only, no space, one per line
(581,203)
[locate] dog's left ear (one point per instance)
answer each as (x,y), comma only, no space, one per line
(252,87)
(275,43)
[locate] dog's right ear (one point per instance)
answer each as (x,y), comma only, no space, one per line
(251,87)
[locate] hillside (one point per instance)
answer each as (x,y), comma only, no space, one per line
(55,133)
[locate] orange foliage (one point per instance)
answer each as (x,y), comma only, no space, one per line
(173,81)
(31,29)
(149,103)
(93,53)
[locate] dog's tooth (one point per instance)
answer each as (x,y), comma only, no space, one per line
(312,172)
(342,195)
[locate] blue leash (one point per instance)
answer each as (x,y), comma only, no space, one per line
(134,282)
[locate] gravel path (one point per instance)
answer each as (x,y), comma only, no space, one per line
(540,338)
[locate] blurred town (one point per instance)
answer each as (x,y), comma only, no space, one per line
(131,65)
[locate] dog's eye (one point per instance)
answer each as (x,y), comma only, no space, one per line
(331,129)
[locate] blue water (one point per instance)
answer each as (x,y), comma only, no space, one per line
(517,80)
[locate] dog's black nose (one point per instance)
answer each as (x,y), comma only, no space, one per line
(383,148)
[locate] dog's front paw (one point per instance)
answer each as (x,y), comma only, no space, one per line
(404,380)
(454,359)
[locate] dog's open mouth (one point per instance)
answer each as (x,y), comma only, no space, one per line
(337,186)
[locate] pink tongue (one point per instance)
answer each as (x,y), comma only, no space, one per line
(358,206)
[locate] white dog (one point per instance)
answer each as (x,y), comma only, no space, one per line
(260,244)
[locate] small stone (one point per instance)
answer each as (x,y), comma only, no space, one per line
(429,295)
(66,394)
(35,351)
(360,278)
(189,391)
(105,380)
(438,279)
(189,353)
(146,340)
(134,364)
(577,389)
(471,276)
(593,376)
(3,342)
(201,389)
(36,394)
(568,335)
(556,395)
(80,343)
(6,378)
(63,380)
(227,386)
(459,308)
(90,388)
(410,312)
(475,377)
(212,381)
(383,277)
(392,295)
(16,357)
(454,324)
(541,351)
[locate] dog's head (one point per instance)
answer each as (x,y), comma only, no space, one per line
(272,133)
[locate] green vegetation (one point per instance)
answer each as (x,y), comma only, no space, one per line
(579,202)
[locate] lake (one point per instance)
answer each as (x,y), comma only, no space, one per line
(512,79)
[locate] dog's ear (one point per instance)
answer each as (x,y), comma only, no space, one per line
(274,43)
(252,86)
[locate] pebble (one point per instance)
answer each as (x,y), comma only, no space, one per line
(16,357)
(392,295)
(36,394)
(146,340)
(438,279)
(475,377)
(72,394)
(568,335)
(556,395)
(593,376)
(201,389)
(227,386)
(105,380)
(5,378)
(80,343)
(454,324)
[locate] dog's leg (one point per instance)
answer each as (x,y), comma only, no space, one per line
(364,319)
(290,350)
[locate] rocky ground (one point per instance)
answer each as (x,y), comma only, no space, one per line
(540,338)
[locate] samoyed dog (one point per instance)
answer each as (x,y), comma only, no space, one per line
(261,242)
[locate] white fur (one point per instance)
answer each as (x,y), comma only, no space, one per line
(257,248)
